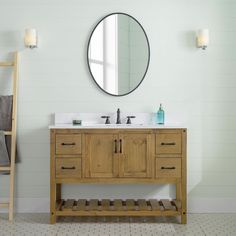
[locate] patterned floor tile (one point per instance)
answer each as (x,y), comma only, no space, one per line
(198,224)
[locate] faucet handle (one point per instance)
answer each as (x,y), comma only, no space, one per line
(107,119)
(129,119)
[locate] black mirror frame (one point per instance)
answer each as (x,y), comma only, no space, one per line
(117,95)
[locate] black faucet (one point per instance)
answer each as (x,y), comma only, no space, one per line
(118,121)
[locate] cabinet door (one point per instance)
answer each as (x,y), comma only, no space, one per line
(135,155)
(101,157)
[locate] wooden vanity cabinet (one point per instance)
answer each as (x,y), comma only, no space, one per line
(118,156)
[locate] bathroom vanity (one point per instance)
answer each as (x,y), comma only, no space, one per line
(118,154)
(142,152)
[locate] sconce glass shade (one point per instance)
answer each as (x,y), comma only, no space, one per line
(202,38)
(31,38)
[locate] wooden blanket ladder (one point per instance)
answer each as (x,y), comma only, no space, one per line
(12,133)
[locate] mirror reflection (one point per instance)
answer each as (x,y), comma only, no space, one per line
(118,54)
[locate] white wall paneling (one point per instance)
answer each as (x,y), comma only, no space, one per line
(197,85)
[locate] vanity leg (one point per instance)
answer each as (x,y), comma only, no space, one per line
(183,218)
(184,205)
(184,179)
(53,204)
(52,178)
(52,218)
(179,194)
(55,198)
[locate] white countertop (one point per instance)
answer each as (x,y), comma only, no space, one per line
(116,126)
(94,121)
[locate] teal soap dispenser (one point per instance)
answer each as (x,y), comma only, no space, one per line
(160,116)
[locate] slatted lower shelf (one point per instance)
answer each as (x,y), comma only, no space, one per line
(118,207)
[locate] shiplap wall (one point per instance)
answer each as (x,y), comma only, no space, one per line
(198,86)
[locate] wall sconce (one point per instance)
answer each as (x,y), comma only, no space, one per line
(202,38)
(31,39)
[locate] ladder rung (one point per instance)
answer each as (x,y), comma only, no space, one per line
(2,168)
(6,63)
(4,205)
(7,133)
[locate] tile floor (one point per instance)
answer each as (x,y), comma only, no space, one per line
(198,224)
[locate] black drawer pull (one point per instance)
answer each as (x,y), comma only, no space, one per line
(68,144)
(168,144)
(68,168)
(168,168)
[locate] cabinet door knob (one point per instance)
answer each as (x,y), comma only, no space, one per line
(168,168)
(168,144)
(68,168)
(68,144)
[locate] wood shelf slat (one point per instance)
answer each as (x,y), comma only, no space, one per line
(118,206)
(155,205)
(130,204)
(68,205)
(167,204)
(105,205)
(80,205)
(93,204)
(142,204)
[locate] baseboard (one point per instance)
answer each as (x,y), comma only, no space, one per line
(212,205)
(195,205)
(30,205)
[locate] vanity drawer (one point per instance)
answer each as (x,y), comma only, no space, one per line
(68,168)
(69,144)
(168,143)
(168,167)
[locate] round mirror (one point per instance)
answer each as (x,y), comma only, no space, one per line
(118,54)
